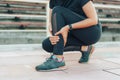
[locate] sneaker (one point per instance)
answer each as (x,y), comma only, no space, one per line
(51,65)
(86,54)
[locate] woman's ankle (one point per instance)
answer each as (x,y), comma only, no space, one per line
(59,57)
(84,48)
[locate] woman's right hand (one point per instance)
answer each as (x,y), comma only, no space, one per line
(54,39)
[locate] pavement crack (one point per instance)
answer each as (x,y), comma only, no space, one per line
(108,71)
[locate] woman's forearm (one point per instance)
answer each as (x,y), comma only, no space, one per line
(84,24)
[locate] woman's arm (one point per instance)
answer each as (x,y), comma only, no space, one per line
(92,19)
(50,12)
(50,25)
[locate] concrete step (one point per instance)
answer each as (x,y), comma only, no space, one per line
(22,36)
(107,36)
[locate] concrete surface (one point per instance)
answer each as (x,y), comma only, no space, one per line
(17,62)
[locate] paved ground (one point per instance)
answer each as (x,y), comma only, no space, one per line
(17,62)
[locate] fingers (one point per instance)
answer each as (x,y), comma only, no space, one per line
(54,39)
(57,33)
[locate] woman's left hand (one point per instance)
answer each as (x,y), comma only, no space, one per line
(64,31)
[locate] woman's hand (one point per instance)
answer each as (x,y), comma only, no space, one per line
(64,31)
(54,39)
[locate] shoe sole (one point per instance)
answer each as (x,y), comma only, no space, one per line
(56,69)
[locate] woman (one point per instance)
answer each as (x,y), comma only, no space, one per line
(75,26)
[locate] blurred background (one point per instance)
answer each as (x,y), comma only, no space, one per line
(26,21)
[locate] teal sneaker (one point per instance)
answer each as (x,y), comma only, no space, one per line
(51,65)
(86,54)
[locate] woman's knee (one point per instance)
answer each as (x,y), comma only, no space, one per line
(47,46)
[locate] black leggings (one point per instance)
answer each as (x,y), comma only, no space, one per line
(76,38)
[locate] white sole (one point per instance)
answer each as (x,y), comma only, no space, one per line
(56,69)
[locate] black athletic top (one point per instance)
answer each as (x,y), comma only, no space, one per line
(74,5)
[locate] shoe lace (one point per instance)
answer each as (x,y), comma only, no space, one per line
(48,60)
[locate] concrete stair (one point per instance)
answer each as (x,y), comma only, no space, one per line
(22,37)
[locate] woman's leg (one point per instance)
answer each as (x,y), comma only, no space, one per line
(47,46)
(59,20)
(62,16)
(85,37)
